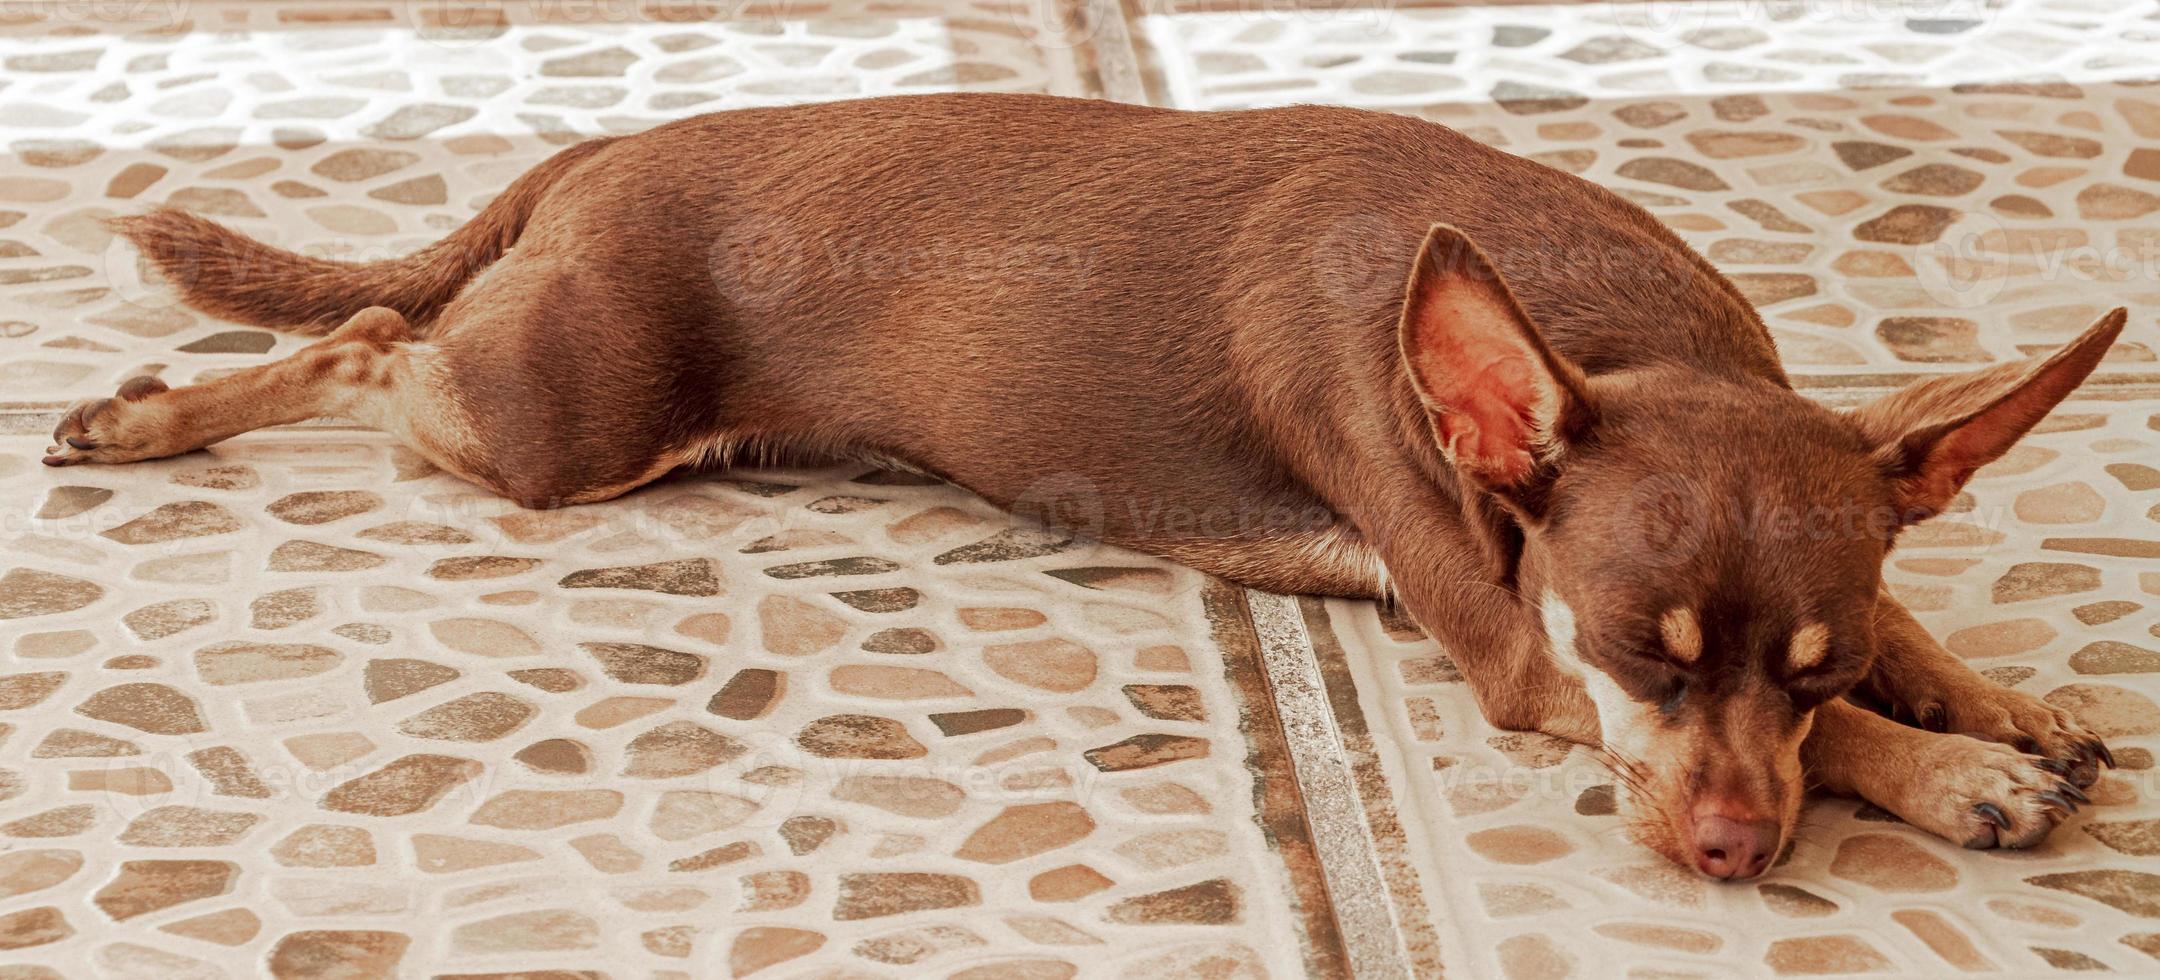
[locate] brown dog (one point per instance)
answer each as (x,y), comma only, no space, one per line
(1567,448)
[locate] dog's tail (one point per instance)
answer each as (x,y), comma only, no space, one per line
(229,275)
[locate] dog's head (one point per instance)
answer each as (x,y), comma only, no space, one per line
(1707,551)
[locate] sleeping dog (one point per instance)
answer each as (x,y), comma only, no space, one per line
(1496,393)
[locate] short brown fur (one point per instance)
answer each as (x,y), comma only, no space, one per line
(1191,334)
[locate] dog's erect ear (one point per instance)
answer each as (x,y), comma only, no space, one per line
(1936,433)
(1503,404)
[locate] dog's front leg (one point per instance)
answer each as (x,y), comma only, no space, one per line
(1518,687)
(1494,636)
(1972,792)
(1921,683)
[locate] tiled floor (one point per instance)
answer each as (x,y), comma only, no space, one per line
(296,704)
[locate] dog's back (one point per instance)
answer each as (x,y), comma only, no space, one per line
(1135,214)
(970,272)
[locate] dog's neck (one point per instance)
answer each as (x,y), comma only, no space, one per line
(1632,297)
(1502,529)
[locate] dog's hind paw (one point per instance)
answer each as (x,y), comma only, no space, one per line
(110,430)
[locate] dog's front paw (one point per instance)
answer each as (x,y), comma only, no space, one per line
(1985,794)
(1985,710)
(108,430)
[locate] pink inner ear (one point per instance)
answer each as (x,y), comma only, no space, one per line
(1948,466)
(1487,394)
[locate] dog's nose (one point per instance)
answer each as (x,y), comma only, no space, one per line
(1728,848)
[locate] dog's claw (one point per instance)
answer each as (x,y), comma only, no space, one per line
(1993,814)
(2100,749)
(2058,801)
(2055,766)
(80,442)
(2072,792)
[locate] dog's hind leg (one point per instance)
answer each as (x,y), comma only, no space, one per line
(465,400)
(370,369)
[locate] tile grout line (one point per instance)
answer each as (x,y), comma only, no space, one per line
(1340,836)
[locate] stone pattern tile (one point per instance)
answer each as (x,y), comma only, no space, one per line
(300,701)
(1896,192)
(2045,583)
(367,135)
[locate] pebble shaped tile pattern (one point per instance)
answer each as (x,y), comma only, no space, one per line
(366,131)
(1895,192)
(668,733)
(1516,831)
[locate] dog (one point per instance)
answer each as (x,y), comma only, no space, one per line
(1492,392)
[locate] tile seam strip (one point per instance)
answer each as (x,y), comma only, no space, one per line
(1363,913)
(1279,806)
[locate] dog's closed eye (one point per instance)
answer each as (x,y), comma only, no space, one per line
(1825,679)
(1651,675)
(1676,691)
